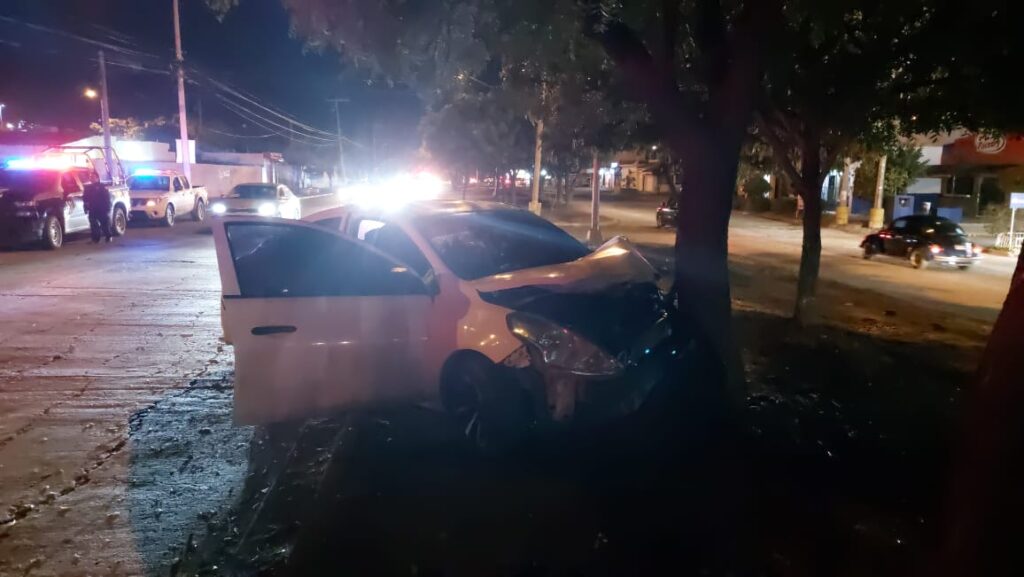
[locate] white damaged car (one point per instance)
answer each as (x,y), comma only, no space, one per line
(488,312)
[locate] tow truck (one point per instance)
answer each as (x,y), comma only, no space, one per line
(41,197)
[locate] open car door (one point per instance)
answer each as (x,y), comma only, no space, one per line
(320,322)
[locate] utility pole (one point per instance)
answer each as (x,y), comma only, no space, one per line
(594,234)
(876,216)
(108,157)
(341,144)
(538,176)
(179,60)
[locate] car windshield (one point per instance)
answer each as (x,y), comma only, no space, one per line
(253,191)
(27,180)
(484,243)
(149,183)
(947,228)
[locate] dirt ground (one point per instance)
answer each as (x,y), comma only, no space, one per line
(838,467)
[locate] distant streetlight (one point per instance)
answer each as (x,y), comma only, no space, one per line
(655,147)
(90,93)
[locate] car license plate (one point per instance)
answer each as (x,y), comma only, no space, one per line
(960,246)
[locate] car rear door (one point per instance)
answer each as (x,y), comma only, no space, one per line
(319,322)
(75,217)
(894,241)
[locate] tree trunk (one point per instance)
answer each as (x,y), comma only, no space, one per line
(497,182)
(809,189)
(985,504)
(702,251)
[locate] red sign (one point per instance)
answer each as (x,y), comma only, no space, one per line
(981,149)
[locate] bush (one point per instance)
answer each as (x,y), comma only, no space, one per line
(756,204)
(997,219)
(785,205)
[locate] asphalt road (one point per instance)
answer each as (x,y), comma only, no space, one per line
(98,347)
(977,293)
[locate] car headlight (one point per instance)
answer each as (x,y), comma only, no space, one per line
(267,209)
(219,208)
(561,348)
(151,203)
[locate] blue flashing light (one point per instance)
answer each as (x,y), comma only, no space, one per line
(146,172)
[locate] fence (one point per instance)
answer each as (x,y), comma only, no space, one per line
(1009,241)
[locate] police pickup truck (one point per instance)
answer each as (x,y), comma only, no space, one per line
(162,195)
(41,198)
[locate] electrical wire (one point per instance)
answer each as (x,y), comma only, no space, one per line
(248,116)
(214,130)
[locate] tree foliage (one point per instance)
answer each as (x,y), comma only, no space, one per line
(904,164)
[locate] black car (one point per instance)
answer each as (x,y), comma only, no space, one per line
(923,239)
(666,215)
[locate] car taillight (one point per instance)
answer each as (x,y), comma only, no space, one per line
(936,249)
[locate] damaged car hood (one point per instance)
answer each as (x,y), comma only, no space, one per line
(613,263)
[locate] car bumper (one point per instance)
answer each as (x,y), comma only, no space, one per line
(943,260)
(20,230)
(154,213)
(560,397)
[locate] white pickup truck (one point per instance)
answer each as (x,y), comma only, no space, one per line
(164,195)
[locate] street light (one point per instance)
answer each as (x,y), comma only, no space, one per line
(90,93)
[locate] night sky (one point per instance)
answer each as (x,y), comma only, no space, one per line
(44,73)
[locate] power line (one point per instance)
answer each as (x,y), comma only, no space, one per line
(105,45)
(262,122)
(214,130)
(226,88)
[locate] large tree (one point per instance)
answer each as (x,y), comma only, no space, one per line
(839,72)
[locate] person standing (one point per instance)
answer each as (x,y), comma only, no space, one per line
(96,198)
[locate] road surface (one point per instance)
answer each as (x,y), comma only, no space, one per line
(977,293)
(98,347)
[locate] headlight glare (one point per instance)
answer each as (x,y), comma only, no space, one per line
(561,348)
(267,209)
(150,202)
(218,208)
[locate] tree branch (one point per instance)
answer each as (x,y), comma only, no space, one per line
(779,147)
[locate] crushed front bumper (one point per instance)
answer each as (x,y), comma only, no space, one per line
(560,397)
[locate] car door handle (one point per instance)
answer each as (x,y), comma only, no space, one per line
(273,330)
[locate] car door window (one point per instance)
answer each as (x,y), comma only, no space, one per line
(177,185)
(364,226)
(392,241)
(184,182)
(899,225)
(278,260)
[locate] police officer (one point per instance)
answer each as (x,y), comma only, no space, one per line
(96,198)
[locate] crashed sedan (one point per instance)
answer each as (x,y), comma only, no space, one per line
(488,312)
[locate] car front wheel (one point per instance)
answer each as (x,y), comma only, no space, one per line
(870,250)
(169,216)
(119,224)
(490,409)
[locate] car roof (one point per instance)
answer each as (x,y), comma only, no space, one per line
(420,208)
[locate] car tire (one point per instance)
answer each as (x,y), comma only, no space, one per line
(53,232)
(919,260)
(964,267)
(490,409)
(119,223)
(169,216)
(870,250)
(199,212)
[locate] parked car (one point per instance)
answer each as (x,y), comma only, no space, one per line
(164,195)
(41,200)
(488,312)
(924,240)
(259,198)
(666,214)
